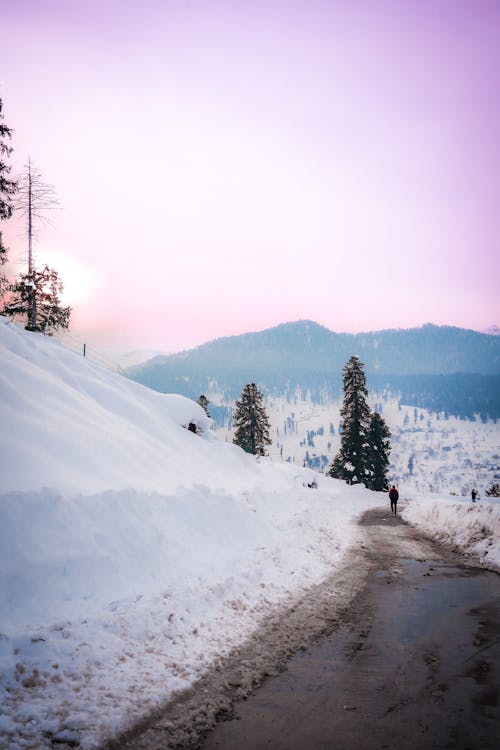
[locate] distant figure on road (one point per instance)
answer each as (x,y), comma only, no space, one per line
(394,497)
(474,495)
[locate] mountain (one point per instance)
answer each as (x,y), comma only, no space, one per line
(493,331)
(137,356)
(437,367)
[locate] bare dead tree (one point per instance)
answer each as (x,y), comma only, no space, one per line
(35,198)
(35,294)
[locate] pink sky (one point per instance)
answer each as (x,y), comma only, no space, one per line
(228,165)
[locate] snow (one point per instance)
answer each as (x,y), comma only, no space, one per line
(429,453)
(135,553)
(472,527)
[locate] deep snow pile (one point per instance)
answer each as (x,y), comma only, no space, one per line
(134,552)
(473,527)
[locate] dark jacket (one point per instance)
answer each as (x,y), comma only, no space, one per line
(394,494)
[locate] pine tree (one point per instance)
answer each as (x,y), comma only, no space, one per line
(351,463)
(251,422)
(35,297)
(7,190)
(203,402)
(379,447)
(493,491)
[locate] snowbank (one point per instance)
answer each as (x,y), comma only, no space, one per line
(69,423)
(473,527)
(133,552)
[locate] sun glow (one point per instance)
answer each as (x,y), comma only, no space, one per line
(76,277)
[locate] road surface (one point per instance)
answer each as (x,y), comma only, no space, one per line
(400,652)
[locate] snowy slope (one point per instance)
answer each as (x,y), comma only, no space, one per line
(133,552)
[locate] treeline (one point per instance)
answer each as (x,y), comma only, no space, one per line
(198,371)
(461,395)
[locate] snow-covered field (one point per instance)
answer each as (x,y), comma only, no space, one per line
(430,454)
(134,552)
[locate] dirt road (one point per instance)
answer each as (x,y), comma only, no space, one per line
(401,651)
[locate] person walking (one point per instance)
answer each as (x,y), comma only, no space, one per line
(474,495)
(394,497)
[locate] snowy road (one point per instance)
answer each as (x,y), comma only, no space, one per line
(399,650)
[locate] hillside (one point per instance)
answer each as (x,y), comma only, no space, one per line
(134,553)
(132,550)
(436,367)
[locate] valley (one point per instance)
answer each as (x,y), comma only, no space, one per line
(430,452)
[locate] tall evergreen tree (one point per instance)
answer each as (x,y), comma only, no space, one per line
(7,190)
(251,422)
(35,298)
(351,463)
(203,402)
(379,447)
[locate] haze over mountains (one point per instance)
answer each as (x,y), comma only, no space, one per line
(441,368)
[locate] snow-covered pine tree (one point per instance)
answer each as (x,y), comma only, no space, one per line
(251,422)
(43,288)
(379,447)
(203,402)
(351,461)
(493,491)
(7,190)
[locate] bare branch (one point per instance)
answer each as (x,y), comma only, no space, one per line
(34,198)
(43,194)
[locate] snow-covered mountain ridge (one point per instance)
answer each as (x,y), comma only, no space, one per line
(443,418)
(428,349)
(440,368)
